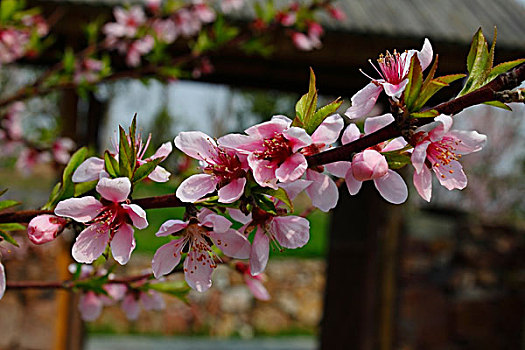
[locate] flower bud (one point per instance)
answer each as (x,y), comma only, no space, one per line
(45,228)
(369,165)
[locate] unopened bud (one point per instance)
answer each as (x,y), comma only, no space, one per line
(45,228)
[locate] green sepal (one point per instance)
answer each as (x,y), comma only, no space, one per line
(264,203)
(8,203)
(8,238)
(145,169)
(498,104)
(415,81)
(178,289)
(111,165)
(279,194)
(426,114)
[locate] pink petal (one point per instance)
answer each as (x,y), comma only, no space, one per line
(395,90)
(323,191)
(263,172)
(419,155)
(392,187)
(426,54)
(89,170)
(292,168)
(368,165)
(170,227)
(329,130)
(116,291)
(257,288)
(218,222)
(352,184)
(443,125)
(115,190)
(152,300)
(163,151)
(197,145)
(159,174)
(242,143)
(90,306)
(373,124)
(338,169)
(123,243)
(451,175)
(239,216)
(2,280)
(469,141)
(297,137)
(282,118)
(260,252)
(395,144)
(232,243)
(167,257)
(290,231)
(131,307)
(79,209)
(350,134)
(363,101)
(423,183)
(137,215)
(294,188)
(232,191)
(196,187)
(90,243)
(197,274)
(268,129)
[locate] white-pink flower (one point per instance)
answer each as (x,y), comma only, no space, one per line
(393,69)
(108,221)
(196,233)
(284,231)
(90,304)
(273,150)
(128,21)
(150,300)
(223,169)
(440,150)
(254,283)
(371,164)
(62,148)
(137,49)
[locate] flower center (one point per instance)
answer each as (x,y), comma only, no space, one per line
(276,149)
(200,251)
(227,167)
(110,219)
(442,152)
(392,67)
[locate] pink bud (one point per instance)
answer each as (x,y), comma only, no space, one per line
(45,228)
(369,165)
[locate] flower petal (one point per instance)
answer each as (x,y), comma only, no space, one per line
(338,169)
(395,144)
(451,175)
(292,168)
(163,151)
(123,243)
(363,101)
(256,287)
(425,55)
(197,272)
(392,187)
(291,231)
(375,123)
(468,141)
(329,130)
(443,125)
(2,280)
(232,191)
(239,216)
(295,187)
(171,226)
(268,129)
(89,170)
(395,90)
(195,187)
(131,307)
(260,252)
(197,145)
(218,222)
(419,155)
(152,300)
(323,191)
(352,184)
(423,183)
(137,215)
(167,257)
(90,306)
(79,209)
(350,134)
(90,243)
(159,174)
(115,190)
(263,172)
(297,137)
(232,243)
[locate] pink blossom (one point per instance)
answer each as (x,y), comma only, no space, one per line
(228,6)
(2,280)
(287,19)
(62,148)
(165,30)
(196,233)
(440,150)
(337,13)
(393,69)
(188,23)
(305,42)
(29,158)
(13,44)
(273,150)
(204,13)
(93,168)
(223,169)
(371,164)
(150,300)
(128,21)
(137,49)
(254,283)
(88,70)
(284,231)
(36,22)
(12,121)
(108,221)
(45,228)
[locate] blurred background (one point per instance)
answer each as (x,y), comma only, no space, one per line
(445,275)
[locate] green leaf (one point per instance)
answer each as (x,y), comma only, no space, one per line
(7,9)
(8,238)
(179,289)
(54,197)
(124,155)
(264,203)
(85,187)
(68,61)
(77,158)
(503,67)
(479,63)
(498,104)
(426,114)
(132,136)
(415,81)
(397,160)
(429,89)
(322,114)
(111,165)
(307,104)
(8,204)
(279,194)
(12,227)
(145,169)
